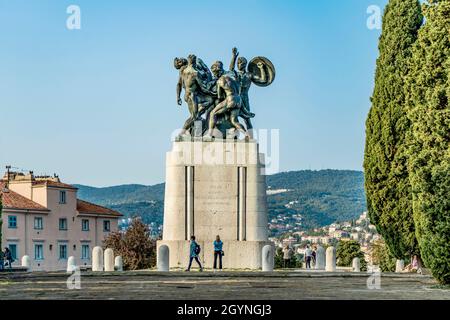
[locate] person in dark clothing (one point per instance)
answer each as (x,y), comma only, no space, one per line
(2,261)
(194,251)
(8,257)
(218,252)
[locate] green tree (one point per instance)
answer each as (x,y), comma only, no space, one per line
(137,249)
(429,139)
(382,257)
(296,260)
(388,190)
(1,222)
(346,251)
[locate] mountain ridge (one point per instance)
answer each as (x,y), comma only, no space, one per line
(320,197)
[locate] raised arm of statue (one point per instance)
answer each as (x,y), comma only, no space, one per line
(233,59)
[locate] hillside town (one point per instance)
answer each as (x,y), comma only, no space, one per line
(360,230)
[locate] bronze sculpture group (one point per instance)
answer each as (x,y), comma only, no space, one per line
(217,98)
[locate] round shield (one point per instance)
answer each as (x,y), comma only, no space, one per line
(262,70)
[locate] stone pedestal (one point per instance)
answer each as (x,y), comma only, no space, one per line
(215,188)
(109,260)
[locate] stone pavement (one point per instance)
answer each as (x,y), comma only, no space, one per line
(290,285)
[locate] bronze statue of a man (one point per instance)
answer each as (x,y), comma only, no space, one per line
(245,79)
(196,94)
(230,100)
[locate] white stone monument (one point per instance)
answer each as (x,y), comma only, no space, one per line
(215,188)
(97,259)
(356,265)
(320,258)
(268,258)
(399,266)
(109,260)
(163,258)
(330,265)
(26,262)
(71,264)
(118,263)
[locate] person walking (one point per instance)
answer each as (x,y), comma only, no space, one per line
(8,257)
(308,256)
(218,252)
(193,254)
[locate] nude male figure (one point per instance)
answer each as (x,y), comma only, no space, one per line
(196,95)
(230,100)
(245,79)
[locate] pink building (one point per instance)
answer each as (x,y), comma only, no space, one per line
(43,218)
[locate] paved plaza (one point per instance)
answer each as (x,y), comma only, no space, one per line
(292,285)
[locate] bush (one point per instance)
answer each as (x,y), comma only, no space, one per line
(382,257)
(346,251)
(296,260)
(137,249)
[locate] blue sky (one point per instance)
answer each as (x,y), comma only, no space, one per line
(97,105)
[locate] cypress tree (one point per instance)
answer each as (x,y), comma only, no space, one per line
(429,139)
(1,222)
(388,190)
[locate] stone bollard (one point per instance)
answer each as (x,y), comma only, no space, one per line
(330,265)
(26,263)
(118,263)
(163,258)
(109,260)
(356,265)
(320,258)
(399,266)
(71,264)
(97,259)
(267,258)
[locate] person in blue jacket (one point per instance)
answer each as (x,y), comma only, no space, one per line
(218,252)
(194,251)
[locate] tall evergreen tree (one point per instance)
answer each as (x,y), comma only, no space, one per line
(429,158)
(388,190)
(1,222)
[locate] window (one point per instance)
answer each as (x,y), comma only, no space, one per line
(12,222)
(62,224)
(38,223)
(62,197)
(106,226)
(63,251)
(13,249)
(85,225)
(38,252)
(85,251)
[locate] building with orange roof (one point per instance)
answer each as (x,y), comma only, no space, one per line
(43,218)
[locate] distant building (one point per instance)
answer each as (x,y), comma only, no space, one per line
(43,218)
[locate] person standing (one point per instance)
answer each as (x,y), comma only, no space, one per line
(2,261)
(313,255)
(193,254)
(287,256)
(8,257)
(218,252)
(308,256)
